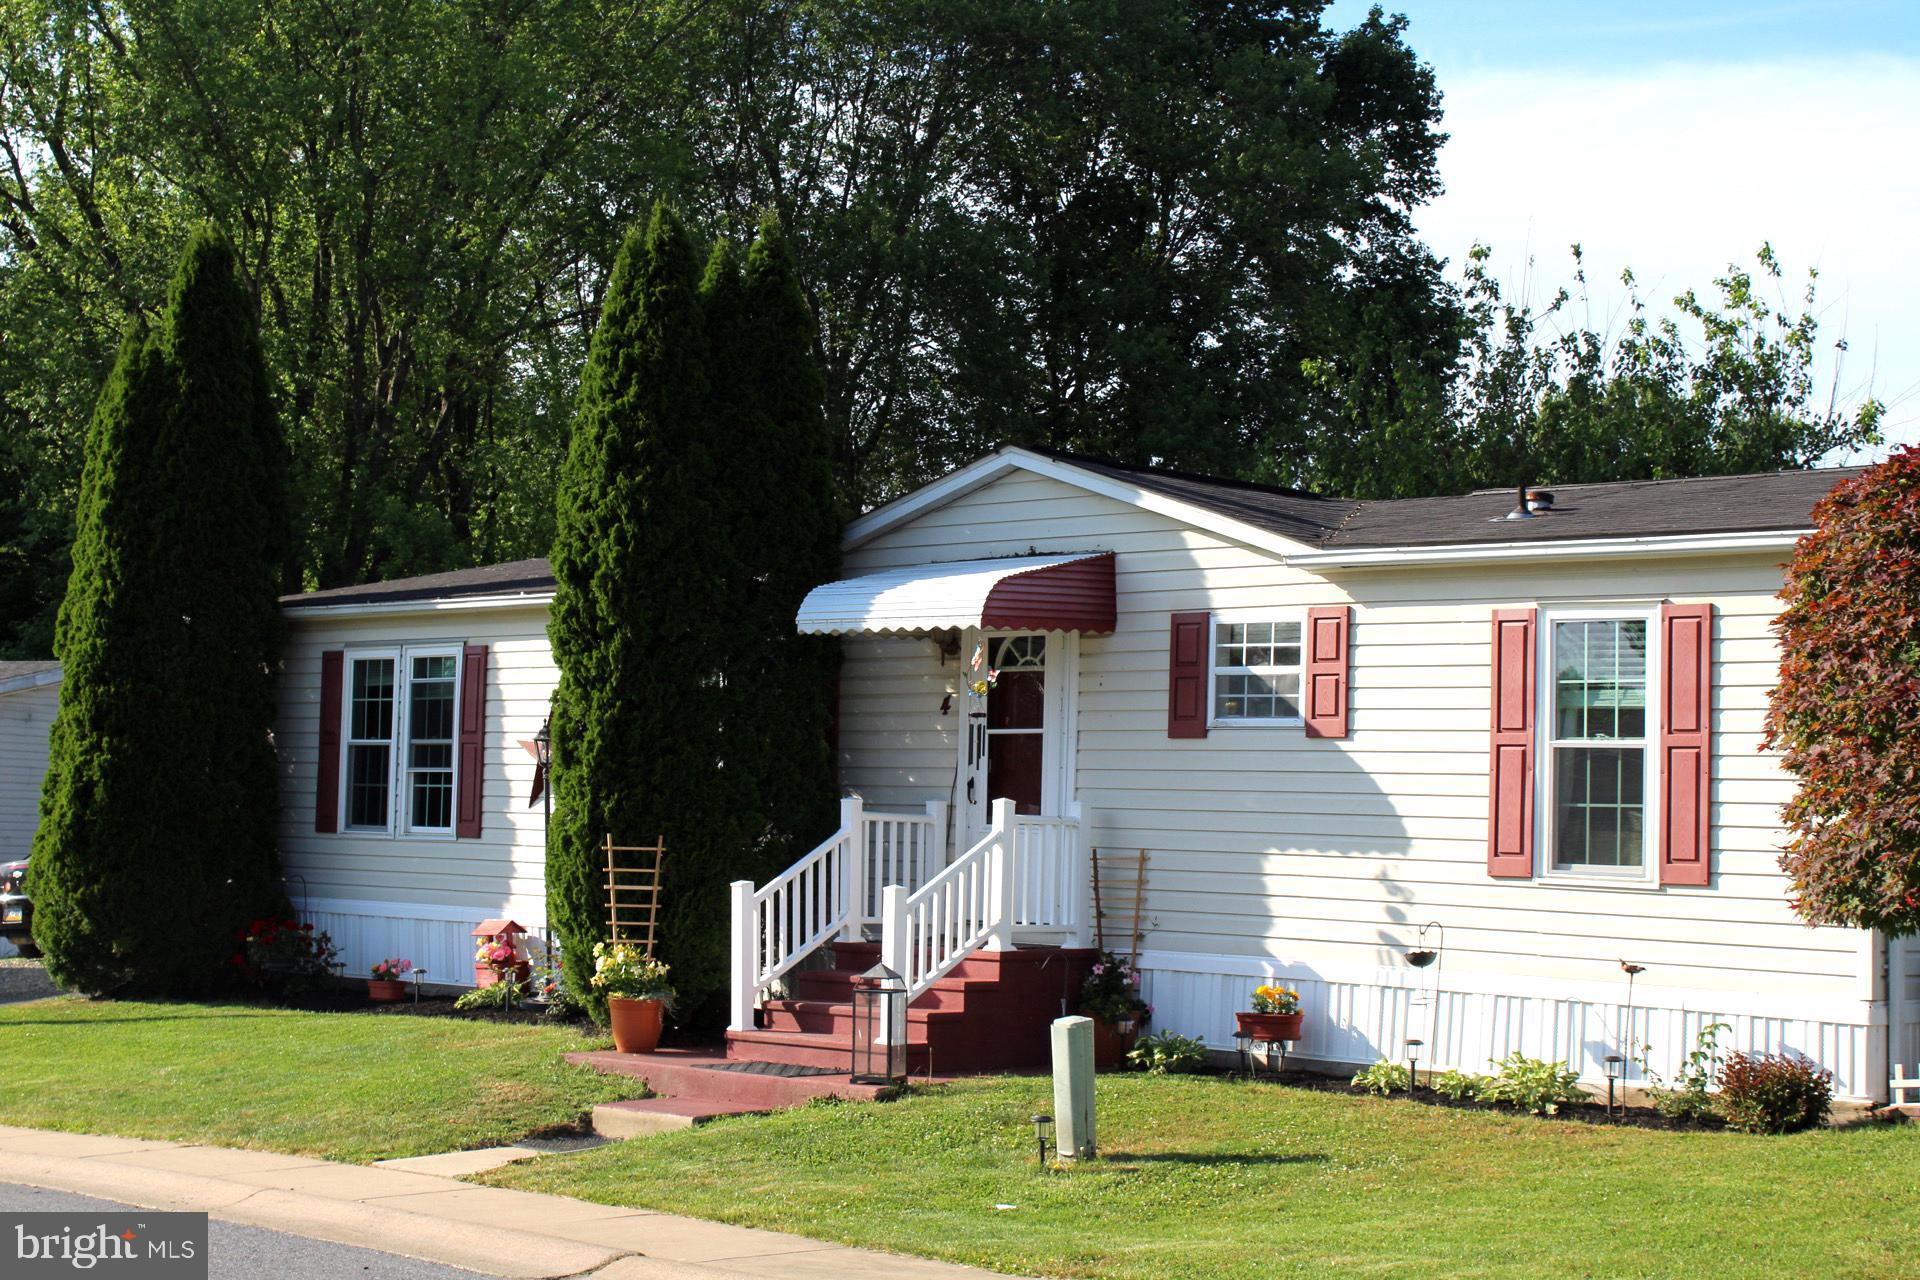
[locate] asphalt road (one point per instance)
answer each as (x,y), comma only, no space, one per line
(23,980)
(253,1253)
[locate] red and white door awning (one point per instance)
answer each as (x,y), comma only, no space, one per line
(1019,593)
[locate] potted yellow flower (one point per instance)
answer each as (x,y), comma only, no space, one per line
(637,992)
(1276,1015)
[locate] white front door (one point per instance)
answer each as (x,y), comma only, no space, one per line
(1015,739)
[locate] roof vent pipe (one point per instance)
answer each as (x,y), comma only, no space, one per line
(1520,510)
(1539,501)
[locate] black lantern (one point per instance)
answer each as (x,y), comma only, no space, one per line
(1043,1134)
(879,1027)
(1616,1067)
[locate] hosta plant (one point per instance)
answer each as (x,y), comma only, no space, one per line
(1461,1086)
(1168,1053)
(1384,1077)
(1533,1085)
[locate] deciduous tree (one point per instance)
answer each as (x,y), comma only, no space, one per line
(1846,712)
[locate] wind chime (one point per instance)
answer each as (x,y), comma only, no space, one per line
(979,679)
(1425,954)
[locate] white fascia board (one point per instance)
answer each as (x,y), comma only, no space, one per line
(1013,458)
(38,680)
(379,608)
(1572,549)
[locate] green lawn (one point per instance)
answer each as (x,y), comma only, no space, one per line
(350,1086)
(1217,1178)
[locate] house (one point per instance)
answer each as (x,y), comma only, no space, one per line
(1531,725)
(29,694)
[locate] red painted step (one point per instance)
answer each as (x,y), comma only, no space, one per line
(990,1013)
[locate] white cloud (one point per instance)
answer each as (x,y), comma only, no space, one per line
(1677,169)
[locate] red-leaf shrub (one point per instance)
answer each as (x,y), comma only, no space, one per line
(1773,1093)
(1846,713)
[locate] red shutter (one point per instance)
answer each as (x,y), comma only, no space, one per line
(326,790)
(1510,763)
(473,736)
(1686,742)
(1187,653)
(1326,673)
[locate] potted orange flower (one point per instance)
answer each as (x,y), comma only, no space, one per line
(1275,1017)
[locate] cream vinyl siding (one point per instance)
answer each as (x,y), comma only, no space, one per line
(25,717)
(1267,848)
(504,867)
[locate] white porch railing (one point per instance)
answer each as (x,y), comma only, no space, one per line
(1049,867)
(779,924)
(890,869)
(903,847)
(969,905)
(833,891)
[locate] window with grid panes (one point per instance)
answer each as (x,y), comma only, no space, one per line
(1256,672)
(1598,742)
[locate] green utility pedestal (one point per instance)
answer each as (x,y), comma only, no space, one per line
(1073,1087)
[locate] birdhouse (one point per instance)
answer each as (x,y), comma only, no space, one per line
(498,952)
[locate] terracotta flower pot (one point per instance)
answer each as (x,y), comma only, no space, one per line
(485,975)
(385,990)
(636,1023)
(1269,1028)
(1111,1041)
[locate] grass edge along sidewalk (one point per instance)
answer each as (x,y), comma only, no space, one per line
(1210,1177)
(483,1229)
(344,1086)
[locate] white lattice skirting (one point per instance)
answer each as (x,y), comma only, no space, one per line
(439,939)
(1359,1017)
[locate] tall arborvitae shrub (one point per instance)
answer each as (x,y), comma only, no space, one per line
(787,547)
(156,835)
(733,379)
(639,562)
(1846,711)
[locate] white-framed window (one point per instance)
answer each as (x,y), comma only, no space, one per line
(1256,672)
(1598,732)
(402,725)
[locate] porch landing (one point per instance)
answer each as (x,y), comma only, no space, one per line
(696,1085)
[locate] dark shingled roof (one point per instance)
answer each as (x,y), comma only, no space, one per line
(1766,502)
(1291,513)
(516,577)
(1772,501)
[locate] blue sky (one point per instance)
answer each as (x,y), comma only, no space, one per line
(1674,138)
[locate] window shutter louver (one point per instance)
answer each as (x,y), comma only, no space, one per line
(1510,762)
(1686,743)
(473,736)
(1329,630)
(326,789)
(1187,652)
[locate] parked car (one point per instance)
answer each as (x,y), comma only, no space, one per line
(16,909)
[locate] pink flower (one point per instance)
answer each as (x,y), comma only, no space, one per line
(1099,969)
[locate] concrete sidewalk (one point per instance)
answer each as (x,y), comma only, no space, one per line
(422,1215)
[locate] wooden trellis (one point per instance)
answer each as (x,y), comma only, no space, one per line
(633,890)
